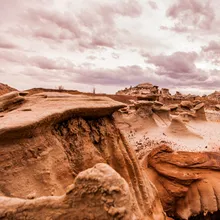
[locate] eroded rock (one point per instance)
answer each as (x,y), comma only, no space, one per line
(188,182)
(10,101)
(48,150)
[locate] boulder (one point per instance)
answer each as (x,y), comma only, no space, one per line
(186,104)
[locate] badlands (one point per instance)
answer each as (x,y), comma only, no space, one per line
(140,154)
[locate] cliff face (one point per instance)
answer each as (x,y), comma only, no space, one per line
(52,141)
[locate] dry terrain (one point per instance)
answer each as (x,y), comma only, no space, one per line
(134,156)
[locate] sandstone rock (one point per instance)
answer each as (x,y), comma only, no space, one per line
(196,102)
(186,104)
(59,106)
(23,93)
(188,183)
(124,110)
(214,96)
(178,128)
(143,103)
(97,193)
(173,107)
(165,93)
(200,112)
(163,112)
(188,115)
(5,89)
(47,148)
(178,93)
(145,89)
(217,107)
(157,103)
(199,106)
(145,85)
(10,100)
(149,97)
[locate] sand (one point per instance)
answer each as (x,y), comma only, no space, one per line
(197,136)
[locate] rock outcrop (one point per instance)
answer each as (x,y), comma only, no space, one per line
(200,112)
(186,104)
(144,91)
(97,193)
(53,140)
(188,182)
(5,89)
(10,101)
(178,128)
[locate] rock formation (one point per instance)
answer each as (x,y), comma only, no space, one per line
(186,104)
(165,93)
(200,112)
(215,96)
(10,101)
(188,183)
(5,89)
(97,193)
(53,140)
(163,112)
(144,91)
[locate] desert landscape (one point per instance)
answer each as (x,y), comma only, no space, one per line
(109,110)
(73,155)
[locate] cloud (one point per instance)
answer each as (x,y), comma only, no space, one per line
(82,29)
(211,52)
(153,5)
(6,44)
(178,28)
(85,74)
(53,42)
(13,57)
(91,57)
(179,65)
(115,55)
(191,15)
(212,47)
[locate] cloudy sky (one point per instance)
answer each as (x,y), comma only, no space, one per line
(110,44)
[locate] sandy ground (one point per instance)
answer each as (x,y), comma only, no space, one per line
(201,136)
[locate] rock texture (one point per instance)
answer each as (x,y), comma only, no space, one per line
(200,112)
(144,91)
(178,128)
(188,183)
(97,193)
(5,89)
(51,141)
(10,101)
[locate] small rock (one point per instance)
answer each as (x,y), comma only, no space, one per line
(31,195)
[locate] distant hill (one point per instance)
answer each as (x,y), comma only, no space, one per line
(4,88)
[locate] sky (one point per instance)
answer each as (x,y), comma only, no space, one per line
(110,44)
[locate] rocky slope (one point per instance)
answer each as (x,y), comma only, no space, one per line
(49,142)
(5,89)
(62,156)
